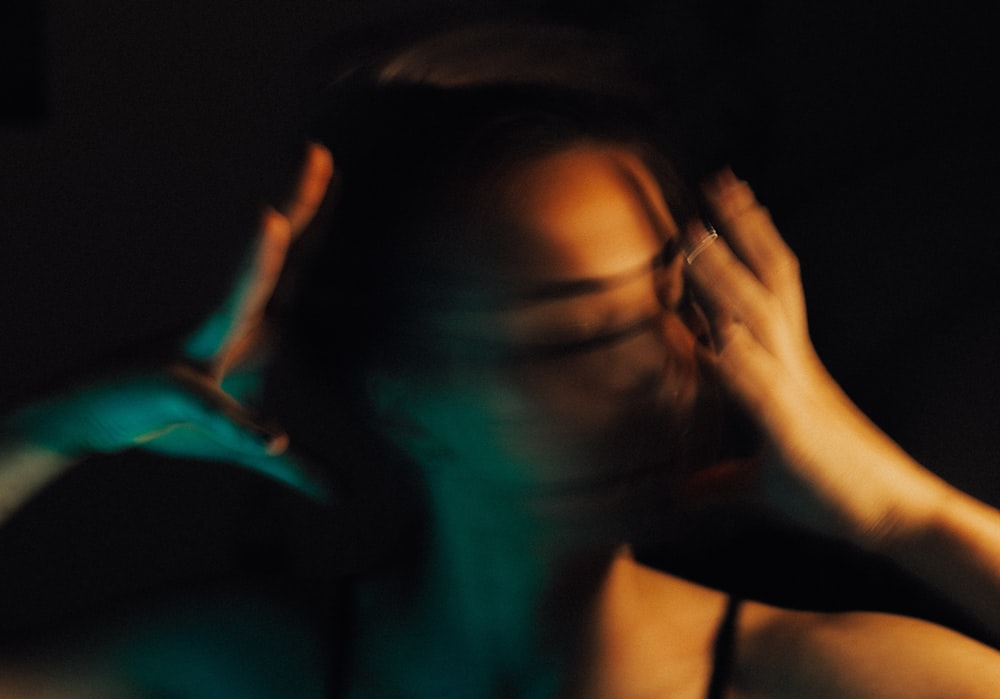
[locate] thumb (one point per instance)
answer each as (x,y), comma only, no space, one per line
(216,427)
(220,417)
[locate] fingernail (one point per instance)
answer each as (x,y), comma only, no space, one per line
(725,190)
(726,178)
(277,445)
(275,441)
(723,181)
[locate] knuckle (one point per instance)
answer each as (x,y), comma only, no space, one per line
(789,265)
(792,261)
(745,213)
(783,265)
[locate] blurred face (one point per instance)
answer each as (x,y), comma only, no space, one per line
(571,359)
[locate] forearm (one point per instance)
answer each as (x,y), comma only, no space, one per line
(783,653)
(835,471)
(877,496)
(943,536)
(955,548)
(25,469)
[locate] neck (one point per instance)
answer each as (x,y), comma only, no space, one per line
(507,585)
(512,573)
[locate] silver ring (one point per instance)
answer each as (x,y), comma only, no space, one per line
(702,245)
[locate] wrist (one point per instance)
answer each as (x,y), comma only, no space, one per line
(42,428)
(25,469)
(916,503)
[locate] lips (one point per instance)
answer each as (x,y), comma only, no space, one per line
(629,487)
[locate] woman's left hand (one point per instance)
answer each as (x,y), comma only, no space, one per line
(194,406)
(828,466)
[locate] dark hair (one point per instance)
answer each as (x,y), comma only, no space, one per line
(416,158)
(414,162)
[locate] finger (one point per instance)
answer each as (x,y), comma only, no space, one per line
(247,328)
(758,381)
(215,426)
(109,415)
(231,333)
(725,286)
(191,441)
(182,413)
(314,180)
(224,336)
(751,232)
(222,417)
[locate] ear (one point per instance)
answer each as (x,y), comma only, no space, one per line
(400,406)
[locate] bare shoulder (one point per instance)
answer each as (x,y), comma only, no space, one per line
(653,635)
(788,653)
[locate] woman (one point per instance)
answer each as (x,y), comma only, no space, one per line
(502,316)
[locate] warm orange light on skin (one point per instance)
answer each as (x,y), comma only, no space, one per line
(590,213)
(595,212)
(642,617)
(629,381)
(584,212)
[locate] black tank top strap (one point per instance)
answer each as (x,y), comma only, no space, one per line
(723,650)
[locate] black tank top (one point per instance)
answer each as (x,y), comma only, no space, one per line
(723,651)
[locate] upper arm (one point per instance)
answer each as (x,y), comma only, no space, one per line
(782,653)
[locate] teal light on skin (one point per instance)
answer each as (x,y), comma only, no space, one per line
(156,412)
(194,408)
(492,549)
(181,409)
(517,457)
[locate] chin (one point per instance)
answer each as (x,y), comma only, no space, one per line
(635,499)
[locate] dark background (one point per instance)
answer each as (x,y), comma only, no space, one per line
(135,155)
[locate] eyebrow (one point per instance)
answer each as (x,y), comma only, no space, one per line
(592,285)
(471,300)
(571,288)
(553,350)
(514,352)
